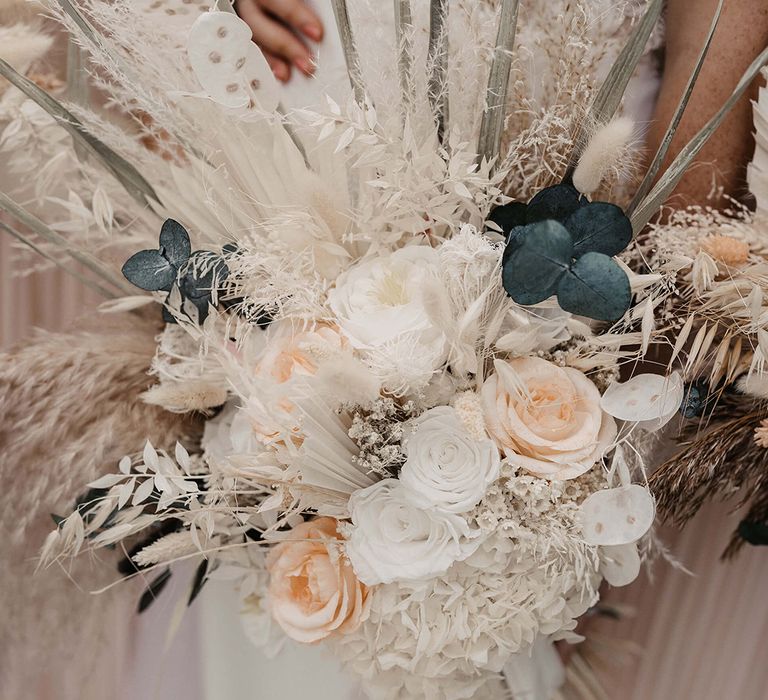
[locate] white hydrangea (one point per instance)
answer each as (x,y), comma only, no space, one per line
(450,637)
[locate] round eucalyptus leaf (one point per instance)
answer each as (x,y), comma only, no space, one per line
(195,288)
(196,309)
(556,202)
(543,254)
(168,317)
(149,270)
(599,227)
(204,272)
(174,243)
(513,242)
(507,216)
(595,287)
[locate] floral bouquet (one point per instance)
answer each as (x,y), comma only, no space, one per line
(408,319)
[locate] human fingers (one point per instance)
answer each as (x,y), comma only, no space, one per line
(297,15)
(274,38)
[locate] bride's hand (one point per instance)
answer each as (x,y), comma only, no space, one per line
(279,28)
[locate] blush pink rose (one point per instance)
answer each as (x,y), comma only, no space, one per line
(547,419)
(313,591)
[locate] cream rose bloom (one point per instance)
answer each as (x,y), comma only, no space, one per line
(445,465)
(313,591)
(383,307)
(394,537)
(546,418)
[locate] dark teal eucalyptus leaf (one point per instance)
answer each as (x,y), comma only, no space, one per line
(542,255)
(204,271)
(697,400)
(753,532)
(150,271)
(508,216)
(513,242)
(556,202)
(153,590)
(201,576)
(599,227)
(595,287)
(174,243)
(168,317)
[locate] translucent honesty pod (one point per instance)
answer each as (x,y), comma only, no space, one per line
(617,516)
(620,564)
(649,399)
(228,65)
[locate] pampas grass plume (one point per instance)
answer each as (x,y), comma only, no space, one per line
(603,152)
(22,44)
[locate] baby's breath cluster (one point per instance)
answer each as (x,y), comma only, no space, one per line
(378,430)
(527,501)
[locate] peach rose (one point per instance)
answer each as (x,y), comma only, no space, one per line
(313,591)
(291,352)
(288,354)
(547,419)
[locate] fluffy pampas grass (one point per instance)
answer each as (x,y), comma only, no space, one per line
(22,44)
(69,409)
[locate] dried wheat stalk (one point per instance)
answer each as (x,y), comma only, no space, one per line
(717,462)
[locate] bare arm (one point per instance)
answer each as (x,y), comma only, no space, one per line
(741,34)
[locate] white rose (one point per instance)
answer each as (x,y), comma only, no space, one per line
(393,538)
(445,465)
(383,307)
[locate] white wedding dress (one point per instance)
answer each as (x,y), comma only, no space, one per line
(214,645)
